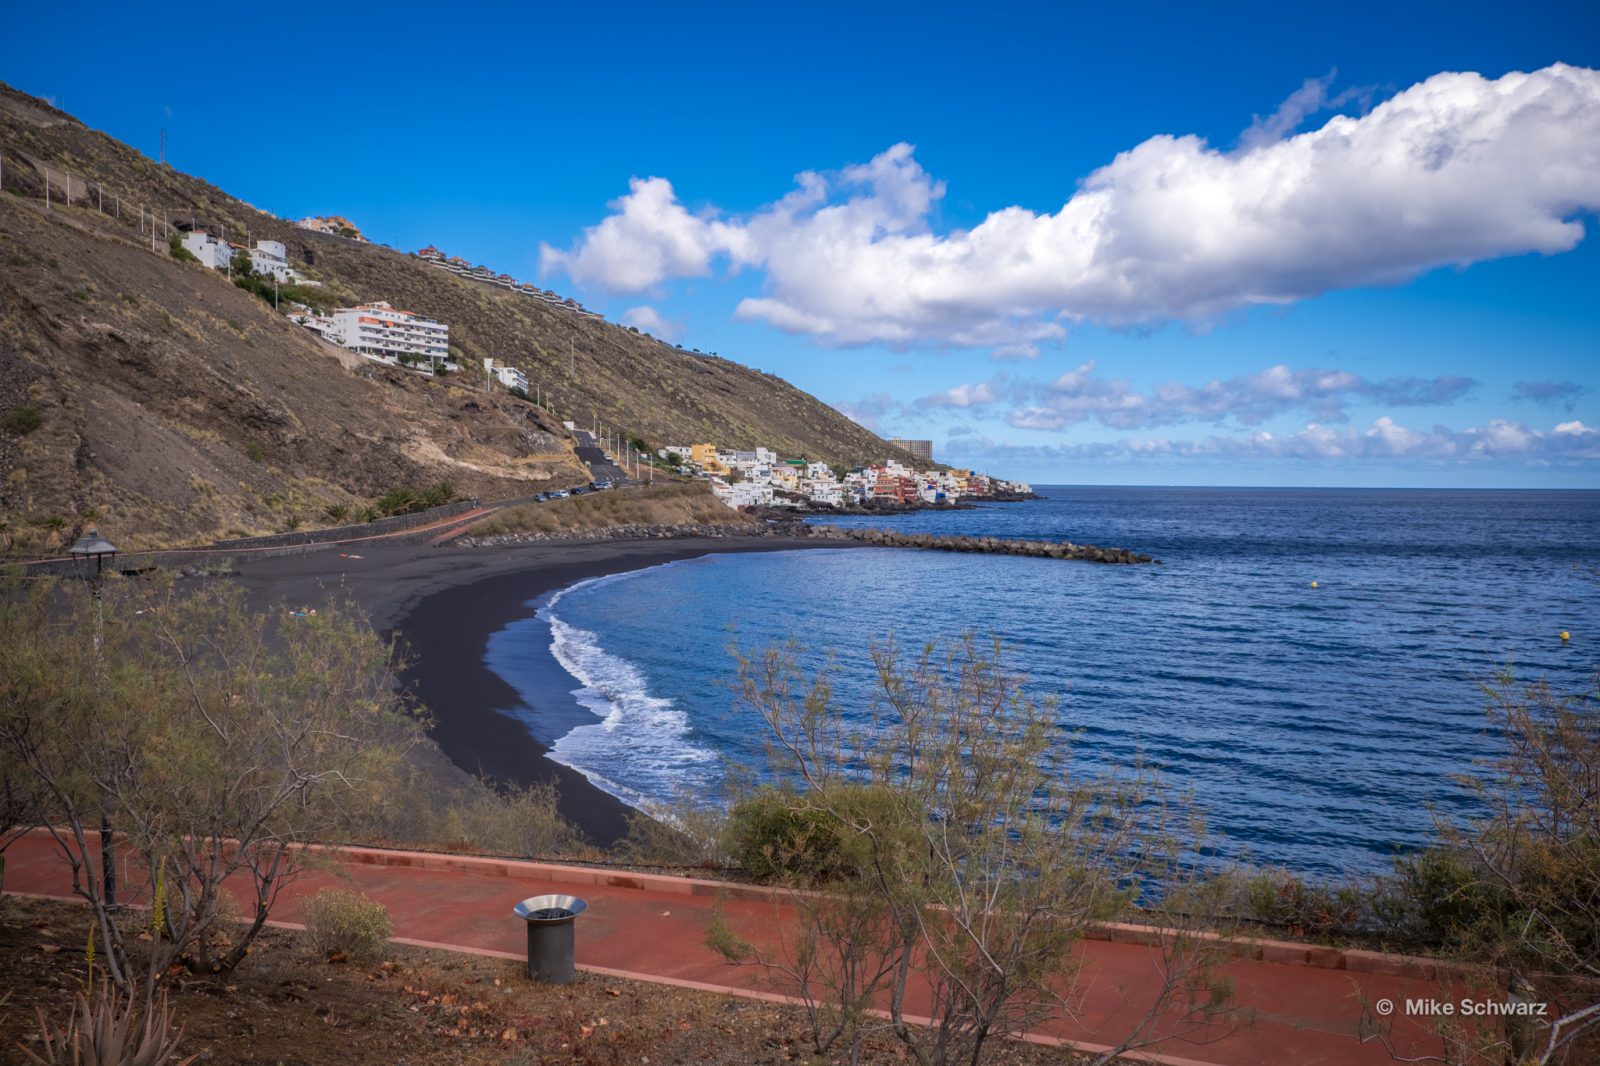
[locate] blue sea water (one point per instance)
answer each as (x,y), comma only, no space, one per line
(1318,728)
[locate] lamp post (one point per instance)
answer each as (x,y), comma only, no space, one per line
(93,546)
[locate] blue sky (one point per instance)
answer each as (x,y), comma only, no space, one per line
(1068,244)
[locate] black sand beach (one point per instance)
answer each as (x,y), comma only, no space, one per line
(444,603)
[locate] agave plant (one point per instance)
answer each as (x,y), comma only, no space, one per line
(105,1032)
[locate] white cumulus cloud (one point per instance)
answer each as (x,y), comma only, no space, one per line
(1082,395)
(1497,442)
(651,321)
(650,238)
(1456,169)
(976,395)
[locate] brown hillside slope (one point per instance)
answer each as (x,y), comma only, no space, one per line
(588,368)
(172,407)
(593,369)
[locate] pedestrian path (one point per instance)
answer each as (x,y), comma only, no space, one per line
(1296,1004)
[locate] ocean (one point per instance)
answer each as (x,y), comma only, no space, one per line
(1321,729)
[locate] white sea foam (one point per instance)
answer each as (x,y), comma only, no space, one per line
(640,751)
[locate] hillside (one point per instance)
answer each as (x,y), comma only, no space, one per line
(176,406)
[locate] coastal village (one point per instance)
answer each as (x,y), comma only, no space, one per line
(741,479)
(760,478)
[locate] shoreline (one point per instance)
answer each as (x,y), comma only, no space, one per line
(445,603)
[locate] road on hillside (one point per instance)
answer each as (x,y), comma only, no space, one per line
(600,468)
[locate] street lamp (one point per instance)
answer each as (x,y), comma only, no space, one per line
(93,546)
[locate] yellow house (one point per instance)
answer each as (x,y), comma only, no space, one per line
(706,456)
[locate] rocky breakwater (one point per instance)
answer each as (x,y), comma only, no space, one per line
(1042,549)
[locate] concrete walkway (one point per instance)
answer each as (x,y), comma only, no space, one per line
(1298,1004)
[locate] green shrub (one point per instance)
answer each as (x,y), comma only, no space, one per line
(438,494)
(1281,899)
(261,285)
(336,512)
(23,419)
(402,500)
(339,922)
(407,500)
(1437,900)
(179,252)
(255,452)
(775,836)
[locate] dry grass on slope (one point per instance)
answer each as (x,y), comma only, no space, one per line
(659,505)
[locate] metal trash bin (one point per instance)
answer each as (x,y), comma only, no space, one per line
(550,927)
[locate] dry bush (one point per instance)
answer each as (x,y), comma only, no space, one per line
(212,739)
(939,837)
(520,822)
(348,924)
(683,833)
(659,505)
(1516,892)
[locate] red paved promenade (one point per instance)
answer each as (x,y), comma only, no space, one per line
(1298,1004)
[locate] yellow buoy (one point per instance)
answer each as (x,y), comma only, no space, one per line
(1313,584)
(1565,635)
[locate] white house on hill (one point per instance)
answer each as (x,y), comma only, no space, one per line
(211,252)
(509,376)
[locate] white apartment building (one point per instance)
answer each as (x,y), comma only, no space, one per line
(826,492)
(742,494)
(509,376)
(270,258)
(385,333)
(214,253)
(323,326)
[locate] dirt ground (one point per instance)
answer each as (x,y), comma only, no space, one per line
(287,1006)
